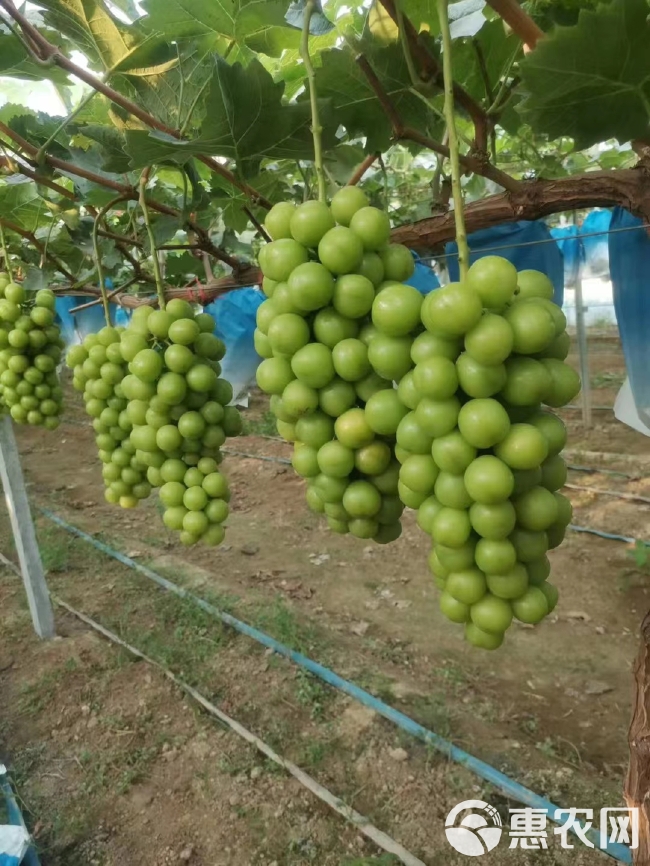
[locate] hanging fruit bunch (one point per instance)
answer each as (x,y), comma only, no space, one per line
(160,413)
(30,349)
(440,405)
(335,333)
(493,469)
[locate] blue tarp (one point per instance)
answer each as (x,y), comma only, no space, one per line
(79,325)
(15,847)
(424,278)
(629,262)
(76,326)
(572,249)
(596,245)
(235,314)
(545,257)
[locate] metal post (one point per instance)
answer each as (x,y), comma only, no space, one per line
(29,556)
(583,353)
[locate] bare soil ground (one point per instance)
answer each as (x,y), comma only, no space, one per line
(116,767)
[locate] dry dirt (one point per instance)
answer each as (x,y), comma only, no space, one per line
(116,767)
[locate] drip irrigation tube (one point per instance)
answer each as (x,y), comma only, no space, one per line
(598,471)
(507,786)
(610,536)
(282,460)
(618,494)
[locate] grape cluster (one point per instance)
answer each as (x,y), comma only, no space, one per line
(98,371)
(335,333)
(480,457)
(435,404)
(161,415)
(30,349)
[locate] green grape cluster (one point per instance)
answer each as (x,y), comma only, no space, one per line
(161,415)
(30,349)
(98,371)
(479,453)
(335,333)
(442,404)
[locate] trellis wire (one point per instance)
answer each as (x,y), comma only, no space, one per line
(425,259)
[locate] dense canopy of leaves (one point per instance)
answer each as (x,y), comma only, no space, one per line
(210,100)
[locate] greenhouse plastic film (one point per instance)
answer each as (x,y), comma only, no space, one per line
(235,314)
(75,326)
(14,838)
(594,231)
(424,278)
(14,843)
(572,250)
(626,412)
(629,262)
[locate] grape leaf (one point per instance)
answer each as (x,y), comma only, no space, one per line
(172,93)
(148,148)
(102,38)
(11,110)
(116,160)
(164,228)
(258,24)
(381,25)
(64,244)
(342,161)
(92,160)
(497,47)
(548,13)
(179,267)
(354,103)
(36,277)
(22,204)
(290,68)
(592,81)
(245,120)
(16,63)
(319,25)
(231,210)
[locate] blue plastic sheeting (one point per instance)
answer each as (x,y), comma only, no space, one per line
(595,245)
(424,278)
(65,319)
(75,326)
(15,816)
(538,256)
(235,314)
(572,249)
(629,262)
(121,316)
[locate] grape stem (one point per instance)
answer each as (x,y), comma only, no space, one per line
(454,154)
(98,259)
(155,261)
(5,253)
(416,81)
(316,127)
